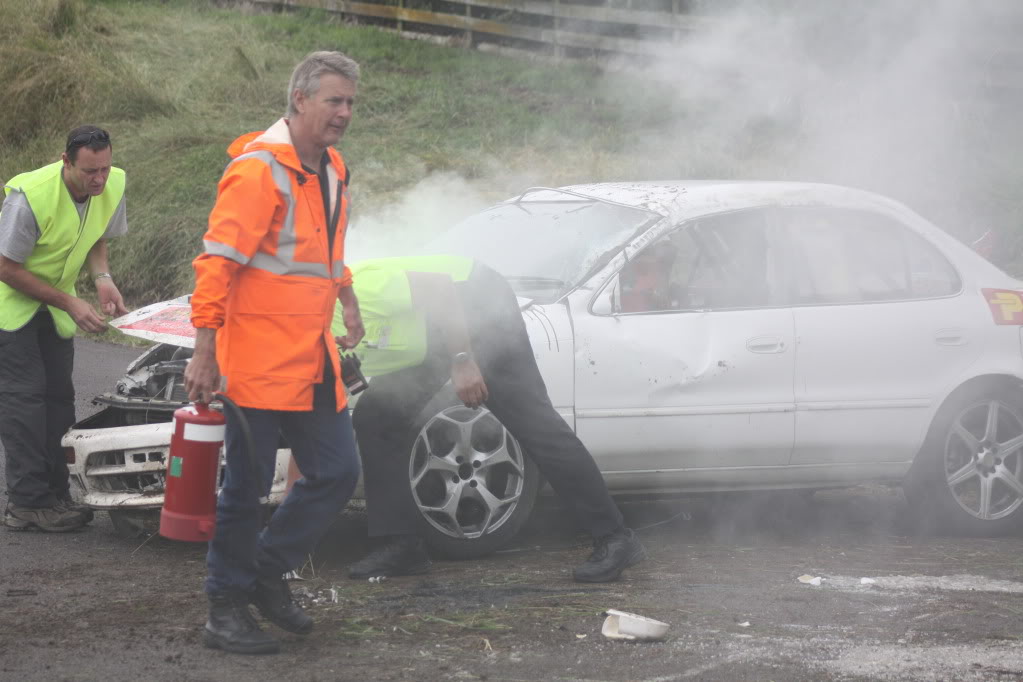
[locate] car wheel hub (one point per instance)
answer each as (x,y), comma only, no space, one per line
(466,472)
(984,460)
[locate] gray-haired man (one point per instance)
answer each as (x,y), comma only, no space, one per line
(265,286)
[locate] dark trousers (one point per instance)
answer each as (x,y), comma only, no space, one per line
(37,406)
(518,397)
(323,447)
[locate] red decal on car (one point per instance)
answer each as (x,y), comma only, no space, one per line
(1006,305)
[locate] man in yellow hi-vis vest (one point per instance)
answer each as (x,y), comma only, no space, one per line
(54,220)
(433,318)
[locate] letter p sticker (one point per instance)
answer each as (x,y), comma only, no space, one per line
(1006,305)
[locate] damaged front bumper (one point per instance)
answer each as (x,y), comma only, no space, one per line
(120,454)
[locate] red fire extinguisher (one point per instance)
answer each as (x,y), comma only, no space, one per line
(190,484)
(190,491)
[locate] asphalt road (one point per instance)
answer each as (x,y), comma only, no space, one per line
(723,573)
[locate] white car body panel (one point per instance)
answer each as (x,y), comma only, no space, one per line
(550,334)
(685,389)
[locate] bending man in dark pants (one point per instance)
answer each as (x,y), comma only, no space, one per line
(432,318)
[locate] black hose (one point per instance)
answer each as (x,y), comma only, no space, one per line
(250,444)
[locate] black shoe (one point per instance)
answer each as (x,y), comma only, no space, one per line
(272,597)
(54,519)
(612,554)
(401,555)
(231,626)
(68,504)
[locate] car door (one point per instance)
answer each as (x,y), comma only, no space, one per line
(684,361)
(880,332)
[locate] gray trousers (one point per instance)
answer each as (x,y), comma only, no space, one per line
(37,406)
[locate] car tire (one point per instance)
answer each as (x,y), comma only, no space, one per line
(968,477)
(469,478)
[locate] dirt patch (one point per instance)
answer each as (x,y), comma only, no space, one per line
(723,573)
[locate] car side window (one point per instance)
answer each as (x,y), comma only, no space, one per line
(850,256)
(720,262)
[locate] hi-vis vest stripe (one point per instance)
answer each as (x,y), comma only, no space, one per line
(283,262)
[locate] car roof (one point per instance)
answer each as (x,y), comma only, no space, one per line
(680,199)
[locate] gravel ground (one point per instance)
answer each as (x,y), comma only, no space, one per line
(723,572)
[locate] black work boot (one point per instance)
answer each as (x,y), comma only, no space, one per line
(272,597)
(399,555)
(231,626)
(68,504)
(612,554)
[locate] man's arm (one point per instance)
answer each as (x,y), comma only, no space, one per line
(351,317)
(241,217)
(202,375)
(110,300)
(434,294)
(16,276)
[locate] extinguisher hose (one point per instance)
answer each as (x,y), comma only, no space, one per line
(250,444)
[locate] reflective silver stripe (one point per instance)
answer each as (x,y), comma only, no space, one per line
(264,261)
(339,268)
(218,249)
(283,263)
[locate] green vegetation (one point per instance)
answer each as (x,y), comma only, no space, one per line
(175,82)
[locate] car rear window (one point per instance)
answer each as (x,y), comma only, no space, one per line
(849,256)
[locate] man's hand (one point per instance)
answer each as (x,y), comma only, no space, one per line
(468,382)
(353,323)
(85,316)
(110,301)
(202,375)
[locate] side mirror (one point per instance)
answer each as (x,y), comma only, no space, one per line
(608,301)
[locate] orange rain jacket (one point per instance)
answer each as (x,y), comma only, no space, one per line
(266,281)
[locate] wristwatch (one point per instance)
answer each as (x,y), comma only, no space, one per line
(461,358)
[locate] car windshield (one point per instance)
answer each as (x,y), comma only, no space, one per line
(545,247)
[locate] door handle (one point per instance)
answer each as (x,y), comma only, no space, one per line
(765,344)
(950,337)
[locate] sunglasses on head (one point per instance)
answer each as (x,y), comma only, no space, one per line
(82,139)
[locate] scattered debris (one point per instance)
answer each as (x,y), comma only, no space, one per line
(867,581)
(810,579)
(14,592)
(632,627)
(744,624)
(378,578)
(580,636)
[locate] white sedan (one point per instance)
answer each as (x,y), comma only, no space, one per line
(699,336)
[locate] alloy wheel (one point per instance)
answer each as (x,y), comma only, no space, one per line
(983,462)
(466,472)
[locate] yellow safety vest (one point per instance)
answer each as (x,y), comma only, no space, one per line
(65,239)
(395,332)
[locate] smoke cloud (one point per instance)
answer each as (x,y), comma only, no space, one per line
(434,204)
(904,98)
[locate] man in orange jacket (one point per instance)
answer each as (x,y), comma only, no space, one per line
(264,298)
